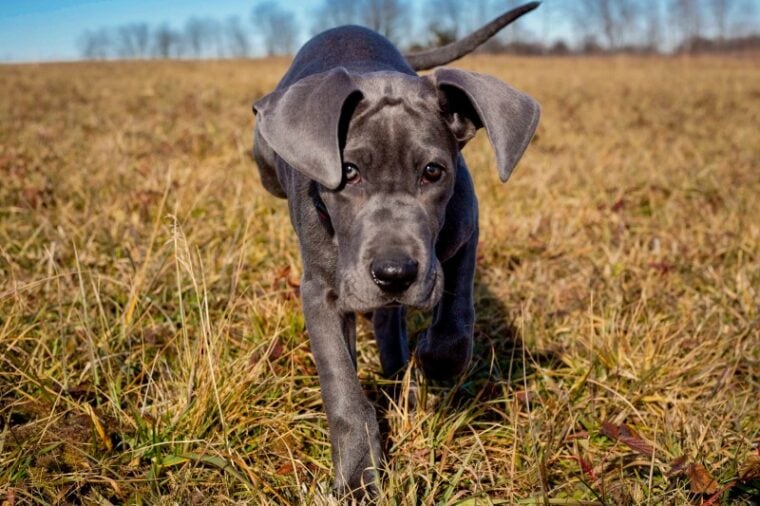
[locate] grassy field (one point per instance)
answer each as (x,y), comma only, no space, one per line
(152,348)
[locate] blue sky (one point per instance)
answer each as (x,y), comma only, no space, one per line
(33,30)
(43,30)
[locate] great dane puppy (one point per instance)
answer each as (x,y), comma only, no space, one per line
(368,155)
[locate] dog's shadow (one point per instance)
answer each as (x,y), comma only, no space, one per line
(500,365)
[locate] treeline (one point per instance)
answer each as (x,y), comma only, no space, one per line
(558,27)
(198,38)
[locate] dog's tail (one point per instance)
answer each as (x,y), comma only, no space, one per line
(441,55)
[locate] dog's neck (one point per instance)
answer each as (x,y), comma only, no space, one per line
(319,205)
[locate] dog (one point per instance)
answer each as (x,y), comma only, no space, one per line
(367,154)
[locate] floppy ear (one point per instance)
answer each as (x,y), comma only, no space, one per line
(472,101)
(302,124)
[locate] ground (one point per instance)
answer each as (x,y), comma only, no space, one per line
(152,348)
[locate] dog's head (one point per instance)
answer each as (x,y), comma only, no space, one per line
(383,148)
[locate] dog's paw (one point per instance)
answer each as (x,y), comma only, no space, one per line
(360,488)
(443,357)
(357,462)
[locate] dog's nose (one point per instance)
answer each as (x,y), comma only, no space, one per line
(393,273)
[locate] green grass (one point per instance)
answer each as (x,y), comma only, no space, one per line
(152,348)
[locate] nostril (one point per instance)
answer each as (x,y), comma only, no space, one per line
(394,274)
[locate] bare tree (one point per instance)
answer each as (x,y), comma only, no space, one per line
(162,42)
(745,21)
(516,32)
(95,45)
(277,27)
(480,14)
(167,43)
(387,17)
(720,11)
(141,38)
(334,13)
(686,17)
(615,19)
(237,38)
(649,27)
(196,36)
(446,16)
(131,40)
(125,46)
(205,37)
(215,37)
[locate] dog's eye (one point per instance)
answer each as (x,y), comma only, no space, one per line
(432,173)
(351,173)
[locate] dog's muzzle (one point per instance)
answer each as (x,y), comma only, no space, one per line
(393,273)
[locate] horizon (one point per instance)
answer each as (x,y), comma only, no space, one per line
(22,40)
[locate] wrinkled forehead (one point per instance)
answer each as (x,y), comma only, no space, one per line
(398,110)
(395,85)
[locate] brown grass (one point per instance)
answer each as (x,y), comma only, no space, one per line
(152,347)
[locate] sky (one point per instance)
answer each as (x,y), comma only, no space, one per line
(45,30)
(49,30)
(41,30)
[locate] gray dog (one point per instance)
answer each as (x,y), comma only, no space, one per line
(368,155)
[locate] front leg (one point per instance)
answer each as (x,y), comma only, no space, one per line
(445,349)
(354,432)
(390,334)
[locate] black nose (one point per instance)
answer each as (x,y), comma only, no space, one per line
(393,273)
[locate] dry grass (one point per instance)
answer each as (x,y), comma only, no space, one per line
(152,347)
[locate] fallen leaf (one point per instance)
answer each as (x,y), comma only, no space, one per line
(750,469)
(678,466)
(713,499)
(276,350)
(628,437)
(525,396)
(610,430)
(639,445)
(700,480)
(285,469)
(586,466)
